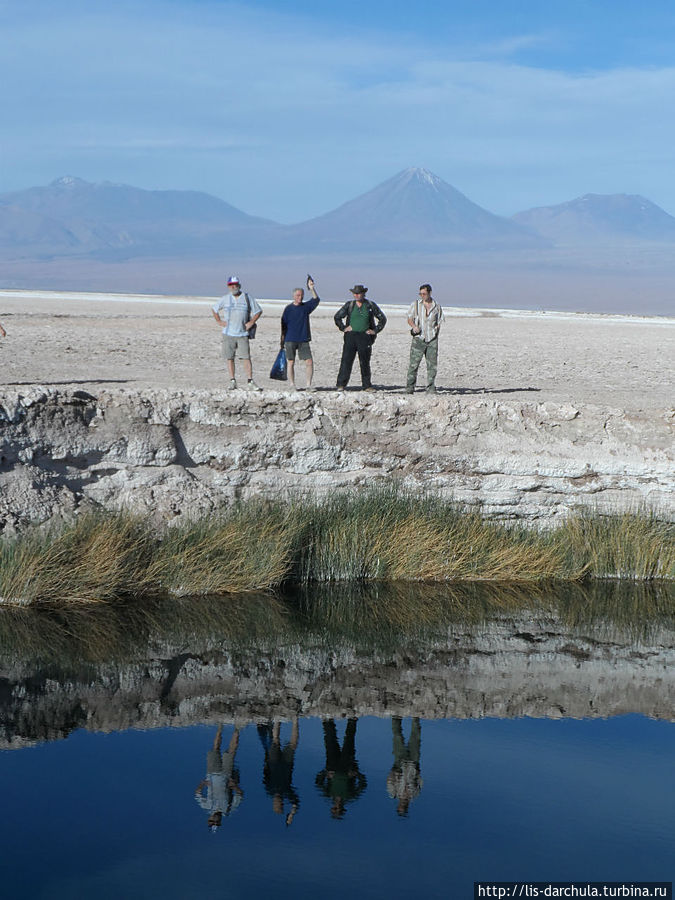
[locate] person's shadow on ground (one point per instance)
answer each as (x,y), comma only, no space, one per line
(398,388)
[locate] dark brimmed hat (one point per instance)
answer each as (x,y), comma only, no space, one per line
(358,289)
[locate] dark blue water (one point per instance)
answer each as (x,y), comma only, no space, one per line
(115,815)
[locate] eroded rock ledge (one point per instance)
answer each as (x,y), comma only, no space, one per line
(183,453)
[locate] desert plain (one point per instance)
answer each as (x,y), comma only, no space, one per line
(102,341)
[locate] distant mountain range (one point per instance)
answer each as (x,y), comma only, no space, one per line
(600,217)
(415,210)
(72,216)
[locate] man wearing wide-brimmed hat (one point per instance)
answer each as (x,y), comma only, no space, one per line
(360,320)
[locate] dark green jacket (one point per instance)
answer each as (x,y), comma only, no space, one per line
(377,318)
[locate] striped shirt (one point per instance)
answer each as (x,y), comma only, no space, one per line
(429,322)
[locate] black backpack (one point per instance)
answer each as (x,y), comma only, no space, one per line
(252,330)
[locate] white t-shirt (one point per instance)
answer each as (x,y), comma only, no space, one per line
(235,312)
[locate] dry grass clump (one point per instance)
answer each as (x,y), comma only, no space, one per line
(390,535)
(635,546)
(107,556)
(466,547)
(96,558)
(247,547)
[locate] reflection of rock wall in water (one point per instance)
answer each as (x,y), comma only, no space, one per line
(508,668)
(173,453)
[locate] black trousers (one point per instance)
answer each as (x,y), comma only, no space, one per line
(355,342)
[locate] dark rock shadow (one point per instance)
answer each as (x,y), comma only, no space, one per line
(63,383)
(183,458)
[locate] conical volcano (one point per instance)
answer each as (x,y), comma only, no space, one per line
(413,209)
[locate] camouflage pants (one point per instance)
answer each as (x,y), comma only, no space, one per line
(418,349)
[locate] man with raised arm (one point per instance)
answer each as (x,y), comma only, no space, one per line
(296,332)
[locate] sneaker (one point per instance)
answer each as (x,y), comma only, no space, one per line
(340,390)
(252,386)
(311,388)
(431,389)
(369,390)
(410,390)
(232,386)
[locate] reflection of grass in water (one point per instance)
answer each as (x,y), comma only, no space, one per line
(373,616)
(620,608)
(378,535)
(385,613)
(77,635)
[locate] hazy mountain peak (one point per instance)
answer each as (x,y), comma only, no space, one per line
(67,181)
(601,217)
(93,217)
(424,176)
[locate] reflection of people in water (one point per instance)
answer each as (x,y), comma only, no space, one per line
(404,782)
(341,780)
(278,767)
(223,794)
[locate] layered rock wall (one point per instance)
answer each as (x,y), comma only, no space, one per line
(183,453)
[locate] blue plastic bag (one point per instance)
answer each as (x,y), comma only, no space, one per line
(279,371)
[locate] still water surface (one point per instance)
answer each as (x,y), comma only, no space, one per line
(369,792)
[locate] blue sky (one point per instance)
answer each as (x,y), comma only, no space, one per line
(287,110)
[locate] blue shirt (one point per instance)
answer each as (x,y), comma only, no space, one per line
(295,321)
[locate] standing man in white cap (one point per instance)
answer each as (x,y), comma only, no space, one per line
(241,312)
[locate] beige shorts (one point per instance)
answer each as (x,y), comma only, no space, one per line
(235,346)
(301,347)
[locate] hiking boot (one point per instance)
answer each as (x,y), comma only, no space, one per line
(340,389)
(431,389)
(311,388)
(410,390)
(232,385)
(370,390)
(252,386)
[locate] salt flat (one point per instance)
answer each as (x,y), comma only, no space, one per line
(102,340)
